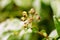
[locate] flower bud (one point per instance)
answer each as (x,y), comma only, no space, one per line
(24,13)
(25,25)
(32,11)
(23,18)
(38,17)
(30,20)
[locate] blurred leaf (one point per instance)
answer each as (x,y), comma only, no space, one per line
(57,25)
(13,37)
(46,15)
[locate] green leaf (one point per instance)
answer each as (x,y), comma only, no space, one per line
(57,25)
(13,37)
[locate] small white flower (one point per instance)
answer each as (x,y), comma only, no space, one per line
(2,27)
(53,34)
(55,4)
(3,3)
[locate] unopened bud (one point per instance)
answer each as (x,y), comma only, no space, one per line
(36,13)
(30,20)
(32,11)
(24,13)
(23,18)
(45,34)
(38,17)
(25,25)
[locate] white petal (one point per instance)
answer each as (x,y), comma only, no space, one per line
(22,33)
(4,3)
(18,2)
(53,34)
